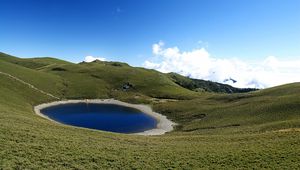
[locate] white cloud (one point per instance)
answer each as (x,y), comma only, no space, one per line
(91,59)
(198,63)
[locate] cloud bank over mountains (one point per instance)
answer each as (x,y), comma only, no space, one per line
(198,63)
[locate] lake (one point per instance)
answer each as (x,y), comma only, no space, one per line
(107,117)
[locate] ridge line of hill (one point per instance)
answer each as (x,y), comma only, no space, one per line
(29,85)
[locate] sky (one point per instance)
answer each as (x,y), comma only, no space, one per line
(254,42)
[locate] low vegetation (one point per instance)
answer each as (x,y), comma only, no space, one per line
(216,130)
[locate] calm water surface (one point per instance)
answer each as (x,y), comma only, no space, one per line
(108,117)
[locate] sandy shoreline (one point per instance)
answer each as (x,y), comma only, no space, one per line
(163,124)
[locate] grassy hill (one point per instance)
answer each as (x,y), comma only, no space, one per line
(254,130)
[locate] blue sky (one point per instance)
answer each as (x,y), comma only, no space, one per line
(126,30)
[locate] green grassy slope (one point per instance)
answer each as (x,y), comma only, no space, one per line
(237,113)
(218,131)
(34,63)
(100,79)
(44,81)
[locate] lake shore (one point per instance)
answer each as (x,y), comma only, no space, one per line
(163,124)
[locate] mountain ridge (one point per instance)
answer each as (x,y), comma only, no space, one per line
(53,65)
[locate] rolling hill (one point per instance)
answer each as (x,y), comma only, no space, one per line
(219,127)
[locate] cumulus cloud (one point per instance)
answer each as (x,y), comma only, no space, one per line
(198,63)
(91,59)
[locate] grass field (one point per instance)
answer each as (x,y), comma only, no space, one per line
(254,130)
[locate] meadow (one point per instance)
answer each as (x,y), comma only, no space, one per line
(259,129)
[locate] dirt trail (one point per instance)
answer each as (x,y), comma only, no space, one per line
(29,85)
(289,130)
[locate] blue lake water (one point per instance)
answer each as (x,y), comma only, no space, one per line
(107,117)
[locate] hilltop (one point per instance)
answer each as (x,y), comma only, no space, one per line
(219,126)
(108,77)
